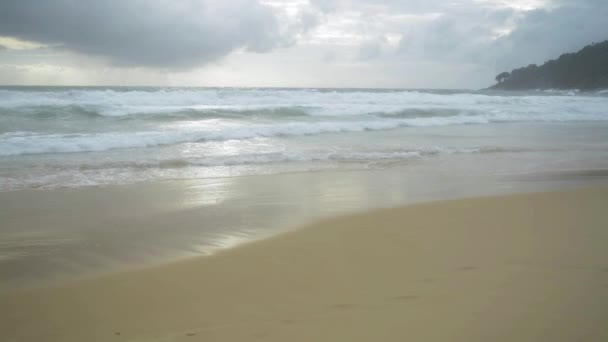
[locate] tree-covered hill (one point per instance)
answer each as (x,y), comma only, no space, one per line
(586,69)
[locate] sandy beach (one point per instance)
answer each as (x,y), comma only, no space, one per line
(304,171)
(528,267)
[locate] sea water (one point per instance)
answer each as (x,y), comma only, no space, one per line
(56,137)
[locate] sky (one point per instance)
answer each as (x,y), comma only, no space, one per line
(288,43)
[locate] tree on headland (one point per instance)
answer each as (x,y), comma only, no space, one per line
(586,69)
(502,76)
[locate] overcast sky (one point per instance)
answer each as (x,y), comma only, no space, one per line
(290,43)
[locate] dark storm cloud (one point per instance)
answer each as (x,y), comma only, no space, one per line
(468,40)
(547,33)
(474,34)
(462,35)
(153,33)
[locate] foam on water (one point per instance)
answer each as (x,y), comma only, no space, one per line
(106,171)
(111,102)
(19,143)
(181,128)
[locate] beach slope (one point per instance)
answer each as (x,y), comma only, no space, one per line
(515,268)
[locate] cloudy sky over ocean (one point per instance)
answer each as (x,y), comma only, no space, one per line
(288,43)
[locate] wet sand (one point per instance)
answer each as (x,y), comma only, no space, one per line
(52,236)
(530,267)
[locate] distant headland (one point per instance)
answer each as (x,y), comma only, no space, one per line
(586,69)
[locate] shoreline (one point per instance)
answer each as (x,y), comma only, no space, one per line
(50,237)
(524,267)
(54,236)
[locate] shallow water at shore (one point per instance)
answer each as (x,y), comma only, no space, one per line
(52,235)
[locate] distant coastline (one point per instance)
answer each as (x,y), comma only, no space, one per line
(585,70)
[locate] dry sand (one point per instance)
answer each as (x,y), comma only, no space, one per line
(516,268)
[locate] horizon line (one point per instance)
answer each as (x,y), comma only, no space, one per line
(225,87)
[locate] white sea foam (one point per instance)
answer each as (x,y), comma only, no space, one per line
(100,136)
(73,173)
(314,102)
(20,143)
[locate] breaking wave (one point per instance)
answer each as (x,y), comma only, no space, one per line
(101,135)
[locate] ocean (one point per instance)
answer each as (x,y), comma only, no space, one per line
(58,137)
